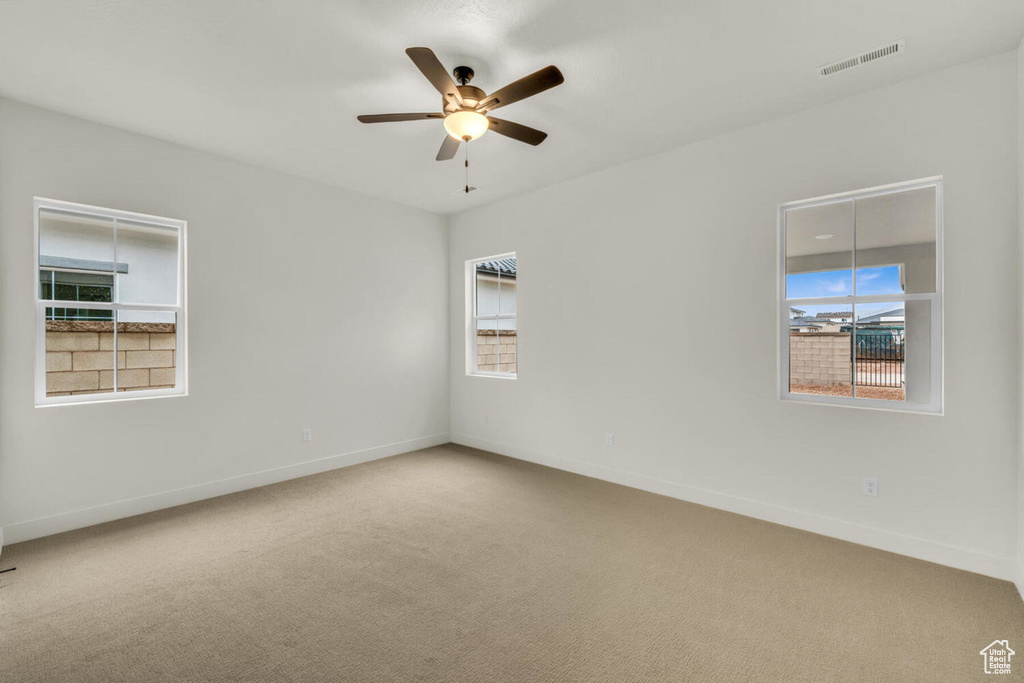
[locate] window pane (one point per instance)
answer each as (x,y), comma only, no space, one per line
(896,243)
(151,255)
(487,345)
(917,336)
(75,286)
(93,293)
(819,251)
(487,289)
(71,241)
(146,350)
(507,287)
(820,360)
(78,359)
(507,346)
(881,351)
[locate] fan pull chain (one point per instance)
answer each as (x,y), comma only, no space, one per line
(467,139)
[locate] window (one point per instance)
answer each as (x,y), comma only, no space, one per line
(110,295)
(493,340)
(861,298)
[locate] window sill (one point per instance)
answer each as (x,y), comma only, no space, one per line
(120,397)
(864,404)
(494,375)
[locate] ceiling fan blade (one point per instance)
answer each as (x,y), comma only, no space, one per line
(517,131)
(385,118)
(527,86)
(448,148)
(427,62)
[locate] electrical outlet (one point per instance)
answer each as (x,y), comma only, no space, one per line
(307,434)
(609,439)
(870,486)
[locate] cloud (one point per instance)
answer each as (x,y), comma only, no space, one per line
(869,276)
(840,286)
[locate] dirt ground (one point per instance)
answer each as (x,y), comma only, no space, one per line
(887,393)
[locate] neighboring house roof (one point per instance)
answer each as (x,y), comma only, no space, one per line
(847,314)
(877,317)
(796,310)
(805,321)
(505,267)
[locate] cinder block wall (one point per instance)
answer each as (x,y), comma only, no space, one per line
(80,357)
(495,357)
(820,358)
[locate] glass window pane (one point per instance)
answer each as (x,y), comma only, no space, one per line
(93,293)
(896,243)
(820,356)
(917,338)
(508,346)
(64,292)
(507,287)
(487,345)
(78,360)
(69,241)
(151,256)
(146,350)
(819,251)
(881,351)
(75,286)
(486,289)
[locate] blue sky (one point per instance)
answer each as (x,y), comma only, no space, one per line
(881,280)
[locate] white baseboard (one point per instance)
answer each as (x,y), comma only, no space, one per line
(76,519)
(912,546)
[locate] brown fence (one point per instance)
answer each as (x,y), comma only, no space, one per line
(81,359)
(820,358)
(824,359)
(496,350)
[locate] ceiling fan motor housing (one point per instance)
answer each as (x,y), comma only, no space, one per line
(471,97)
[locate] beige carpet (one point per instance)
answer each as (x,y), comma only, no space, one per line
(454,565)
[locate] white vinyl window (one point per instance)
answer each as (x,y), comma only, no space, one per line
(860,298)
(492,335)
(110,304)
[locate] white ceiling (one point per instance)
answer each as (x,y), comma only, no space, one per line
(280,82)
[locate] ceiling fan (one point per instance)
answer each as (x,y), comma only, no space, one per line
(466,108)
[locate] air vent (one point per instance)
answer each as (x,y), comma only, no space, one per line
(833,68)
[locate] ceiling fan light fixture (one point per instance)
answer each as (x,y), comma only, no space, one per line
(465,124)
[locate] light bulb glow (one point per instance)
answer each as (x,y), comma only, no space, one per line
(461,124)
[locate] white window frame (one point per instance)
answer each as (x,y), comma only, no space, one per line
(181,337)
(936,405)
(472,318)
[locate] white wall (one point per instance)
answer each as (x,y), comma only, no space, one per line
(677,346)
(1020,236)
(296,319)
